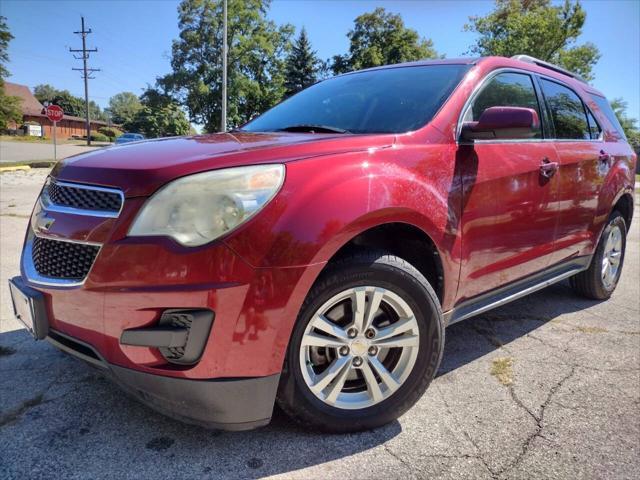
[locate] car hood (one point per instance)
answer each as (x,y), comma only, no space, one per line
(140,168)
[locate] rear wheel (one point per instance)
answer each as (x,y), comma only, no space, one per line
(368,341)
(601,278)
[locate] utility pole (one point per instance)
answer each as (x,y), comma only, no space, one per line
(223,115)
(86,74)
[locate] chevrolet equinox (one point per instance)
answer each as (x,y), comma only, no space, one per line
(314,256)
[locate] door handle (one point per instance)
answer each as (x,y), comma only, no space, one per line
(604,157)
(548,168)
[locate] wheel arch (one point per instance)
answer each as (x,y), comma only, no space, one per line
(416,247)
(624,205)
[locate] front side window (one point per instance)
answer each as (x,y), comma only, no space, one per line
(567,111)
(390,100)
(505,90)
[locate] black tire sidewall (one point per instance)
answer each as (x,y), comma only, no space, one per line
(421,299)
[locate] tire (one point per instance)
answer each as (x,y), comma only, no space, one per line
(402,285)
(591,283)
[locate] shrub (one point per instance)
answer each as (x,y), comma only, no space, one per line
(110,132)
(99,137)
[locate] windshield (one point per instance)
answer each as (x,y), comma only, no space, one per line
(392,100)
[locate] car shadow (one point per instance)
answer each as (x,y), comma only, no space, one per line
(85,423)
(475,337)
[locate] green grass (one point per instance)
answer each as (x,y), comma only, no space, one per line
(28,139)
(501,368)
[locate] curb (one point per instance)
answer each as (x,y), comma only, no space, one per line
(15,168)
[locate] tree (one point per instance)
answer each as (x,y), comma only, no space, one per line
(123,107)
(10,110)
(164,121)
(256,49)
(71,104)
(537,28)
(158,115)
(381,38)
(628,124)
(302,65)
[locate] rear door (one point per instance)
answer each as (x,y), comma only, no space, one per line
(509,210)
(584,163)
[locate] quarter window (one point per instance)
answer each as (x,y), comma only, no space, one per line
(605,108)
(505,90)
(594,128)
(567,112)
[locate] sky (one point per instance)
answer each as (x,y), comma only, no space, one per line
(134,38)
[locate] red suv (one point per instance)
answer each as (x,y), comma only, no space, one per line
(315,256)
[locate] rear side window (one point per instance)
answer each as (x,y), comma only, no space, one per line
(605,107)
(567,111)
(505,90)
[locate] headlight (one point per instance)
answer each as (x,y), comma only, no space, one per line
(197,209)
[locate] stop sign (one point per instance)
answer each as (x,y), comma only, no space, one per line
(54,113)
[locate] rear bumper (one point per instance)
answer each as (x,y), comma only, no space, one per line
(227,404)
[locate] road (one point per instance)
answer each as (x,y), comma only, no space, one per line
(546,387)
(26,151)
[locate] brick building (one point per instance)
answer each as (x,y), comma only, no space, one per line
(32,109)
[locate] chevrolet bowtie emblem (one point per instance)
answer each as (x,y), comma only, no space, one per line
(43,223)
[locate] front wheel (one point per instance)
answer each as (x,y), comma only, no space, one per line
(601,278)
(367,343)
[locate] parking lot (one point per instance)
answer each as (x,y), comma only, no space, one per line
(26,152)
(546,387)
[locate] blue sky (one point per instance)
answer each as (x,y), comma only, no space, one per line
(134,38)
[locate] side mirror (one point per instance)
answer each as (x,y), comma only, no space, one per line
(502,123)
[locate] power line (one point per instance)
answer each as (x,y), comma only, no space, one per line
(86,75)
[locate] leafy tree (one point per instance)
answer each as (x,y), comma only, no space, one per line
(155,98)
(381,38)
(71,104)
(10,110)
(158,116)
(628,124)
(256,49)
(5,38)
(537,28)
(45,92)
(123,107)
(164,121)
(302,65)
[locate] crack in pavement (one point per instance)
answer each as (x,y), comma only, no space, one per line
(539,419)
(14,415)
(479,455)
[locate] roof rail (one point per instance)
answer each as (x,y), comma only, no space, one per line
(550,66)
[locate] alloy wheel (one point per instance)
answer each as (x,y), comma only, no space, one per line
(359,347)
(611,257)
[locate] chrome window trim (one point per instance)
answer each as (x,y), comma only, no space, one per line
(32,274)
(48,205)
(489,77)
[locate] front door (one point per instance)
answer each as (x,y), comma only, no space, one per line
(509,210)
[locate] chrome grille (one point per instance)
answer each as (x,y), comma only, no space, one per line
(84,197)
(63,260)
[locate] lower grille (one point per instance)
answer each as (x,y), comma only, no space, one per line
(66,260)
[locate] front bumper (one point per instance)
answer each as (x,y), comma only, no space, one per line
(227,404)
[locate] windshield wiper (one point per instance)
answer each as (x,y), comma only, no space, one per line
(303,127)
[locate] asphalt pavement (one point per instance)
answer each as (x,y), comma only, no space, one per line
(27,151)
(546,387)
